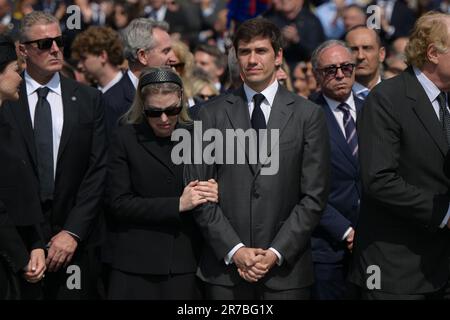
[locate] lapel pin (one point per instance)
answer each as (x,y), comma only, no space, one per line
(74,98)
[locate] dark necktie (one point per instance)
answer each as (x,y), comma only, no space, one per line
(444,115)
(258,119)
(43,136)
(350,129)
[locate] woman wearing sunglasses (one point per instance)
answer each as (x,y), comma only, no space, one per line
(156,242)
(22,254)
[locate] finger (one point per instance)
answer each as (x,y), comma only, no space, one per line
(249,278)
(259,269)
(192,183)
(60,263)
(253,275)
(51,255)
(68,260)
(52,263)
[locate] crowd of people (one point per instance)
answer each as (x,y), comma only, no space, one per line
(358,207)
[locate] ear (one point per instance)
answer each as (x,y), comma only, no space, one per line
(22,50)
(104,56)
(142,57)
(432,54)
(381,54)
(279,58)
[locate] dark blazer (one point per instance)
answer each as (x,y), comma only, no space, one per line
(80,168)
(144,187)
(342,207)
(405,197)
(279,210)
(117,100)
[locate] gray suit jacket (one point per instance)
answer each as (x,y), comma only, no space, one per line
(279,210)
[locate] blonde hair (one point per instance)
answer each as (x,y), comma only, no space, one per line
(429,29)
(32,19)
(135,114)
(198,84)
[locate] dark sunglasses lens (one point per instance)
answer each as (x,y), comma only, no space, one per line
(330,71)
(347,69)
(151,113)
(46,44)
(172,111)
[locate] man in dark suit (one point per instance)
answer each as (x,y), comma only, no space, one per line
(402,244)
(332,240)
(61,126)
(257,239)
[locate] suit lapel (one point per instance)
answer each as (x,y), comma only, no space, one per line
(239,116)
(336,134)
(21,111)
(128,88)
(279,116)
(70,110)
(147,139)
(424,110)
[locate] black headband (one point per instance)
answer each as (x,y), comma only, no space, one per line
(161,76)
(7,52)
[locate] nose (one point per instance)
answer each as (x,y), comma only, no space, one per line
(360,54)
(252,58)
(54,47)
(339,73)
(164,117)
(171,59)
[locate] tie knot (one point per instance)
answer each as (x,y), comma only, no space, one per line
(42,92)
(344,107)
(442,99)
(258,99)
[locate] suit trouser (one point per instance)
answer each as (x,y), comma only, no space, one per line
(254,291)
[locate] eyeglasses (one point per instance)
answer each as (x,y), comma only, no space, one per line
(156,113)
(206,96)
(331,71)
(45,44)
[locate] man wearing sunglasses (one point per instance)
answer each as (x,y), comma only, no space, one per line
(332,240)
(60,123)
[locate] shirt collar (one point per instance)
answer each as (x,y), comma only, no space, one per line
(108,86)
(133,78)
(334,104)
(269,92)
(359,88)
(32,85)
(430,88)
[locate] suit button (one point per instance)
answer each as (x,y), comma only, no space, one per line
(256,195)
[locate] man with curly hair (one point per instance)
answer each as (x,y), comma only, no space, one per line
(100,52)
(402,246)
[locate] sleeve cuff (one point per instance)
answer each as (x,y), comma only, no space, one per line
(347,233)
(77,238)
(228,259)
(280,258)
(445,221)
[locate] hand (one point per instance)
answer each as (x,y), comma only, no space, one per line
(349,240)
(290,33)
(61,251)
(245,258)
(34,271)
(208,190)
(260,269)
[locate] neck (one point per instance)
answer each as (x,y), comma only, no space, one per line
(261,86)
(40,77)
(108,74)
(369,81)
(136,68)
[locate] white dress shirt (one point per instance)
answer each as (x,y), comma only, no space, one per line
(432,93)
(339,115)
(133,78)
(54,98)
(114,80)
(361,91)
(269,94)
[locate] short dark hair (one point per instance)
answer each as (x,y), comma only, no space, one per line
(258,27)
(220,60)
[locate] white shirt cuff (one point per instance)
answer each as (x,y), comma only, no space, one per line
(347,233)
(445,221)
(280,258)
(73,235)
(228,259)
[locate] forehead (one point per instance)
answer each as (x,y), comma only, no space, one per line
(42,30)
(162,99)
(258,42)
(334,55)
(161,37)
(362,37)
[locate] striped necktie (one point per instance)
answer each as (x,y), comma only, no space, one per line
(350,129)
(444,115)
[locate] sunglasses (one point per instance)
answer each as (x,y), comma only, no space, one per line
(45,44)
(206,96)
(156,113)
(331,71)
